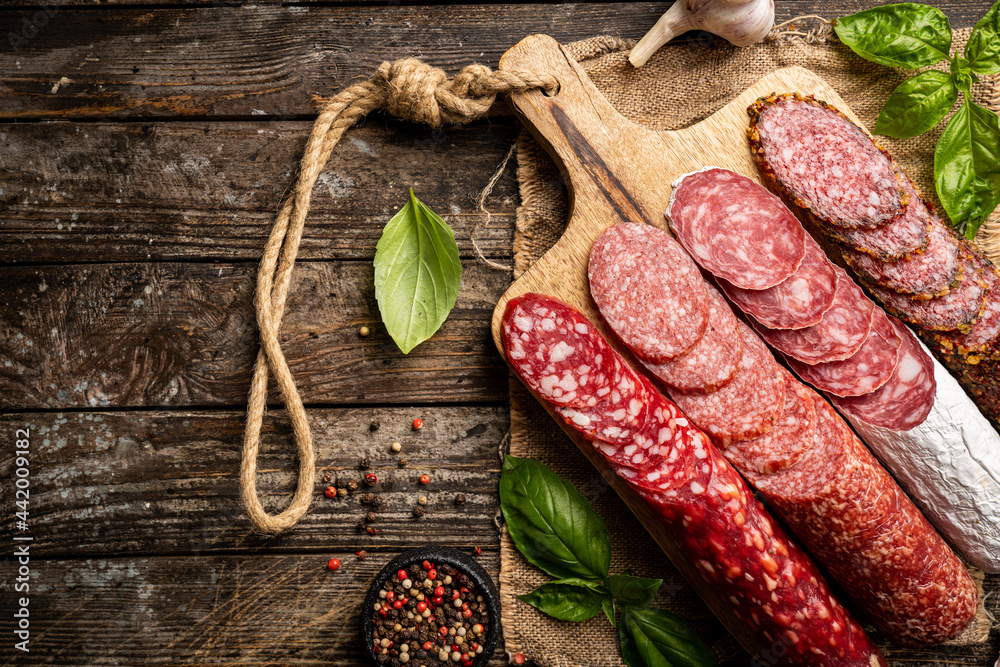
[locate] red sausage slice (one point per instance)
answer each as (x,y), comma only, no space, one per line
(904,235)
(985,333)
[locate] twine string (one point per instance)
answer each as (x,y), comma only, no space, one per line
(410,90)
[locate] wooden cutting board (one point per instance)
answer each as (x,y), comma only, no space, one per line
(618,171)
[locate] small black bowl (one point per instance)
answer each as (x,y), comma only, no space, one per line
(457,559)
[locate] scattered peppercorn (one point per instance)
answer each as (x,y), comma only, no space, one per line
(333,564)
(371,479)
(371,518)
(460,499)
(424,479)
(365,463)
(330,492)
(518,658)
(352,485)
(361,554)
(327,478)
(368,499)
(364,331)
(372,530)
(479,551)
(375,425)
(396,446)
(422,500)
(418,424)
(402,462)
(418,511)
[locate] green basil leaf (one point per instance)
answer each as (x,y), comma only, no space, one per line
(917,105)
(967,166)
(907,34)
(551,524)
(568,599)
(608,605)
(657,638)
(983,47)
(417,274)
(633,591)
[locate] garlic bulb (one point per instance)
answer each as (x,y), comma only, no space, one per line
(740,22)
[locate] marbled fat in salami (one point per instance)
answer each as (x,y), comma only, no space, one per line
(984,336)
(558,353)
(735,229)
(901,237)
(792,436)
(795,303)
(749,405)
(863,372)
(931,273)
(713,360)
(659,315)
(837,336)
(826,162)
(957,310)
(907,398)
(892,562)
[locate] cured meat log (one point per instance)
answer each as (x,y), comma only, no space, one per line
(701,500)
(916,266)
(903,404)
(865,540)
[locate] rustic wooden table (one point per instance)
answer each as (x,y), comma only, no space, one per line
(144,149)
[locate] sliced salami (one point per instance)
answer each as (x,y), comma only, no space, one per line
(907,398)
(957,310)
(558,352)
(863,372)
(931,273)
(901,237)
(659,315)
(837,336)
(827,164)
(795,303)
(688,448)
(786,443)
(713,360)
(984,336)
(735,229)
(749,405)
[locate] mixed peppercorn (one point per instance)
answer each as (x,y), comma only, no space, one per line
(429,615)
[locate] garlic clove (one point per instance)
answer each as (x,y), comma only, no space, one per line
(674,21)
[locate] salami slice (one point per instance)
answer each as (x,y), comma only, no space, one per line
(557,352)
(901,237)
(713,360)
(795,303)
(688,448)
(659,315)
(957,310)
(984,336)
(931,273)
(735,229)
(827,163)
(837,336)
(907,398)
(749,405)
(863,372)
(786,443)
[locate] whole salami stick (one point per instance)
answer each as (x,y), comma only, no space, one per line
(701,500)
(833,495)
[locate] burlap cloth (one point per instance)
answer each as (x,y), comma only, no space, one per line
(683,83)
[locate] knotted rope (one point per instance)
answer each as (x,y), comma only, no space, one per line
(410,90)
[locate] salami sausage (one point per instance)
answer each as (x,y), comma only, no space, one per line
(863,372)
(619,281)
(931,273)
(906,399)
(984,336)
(704,504)
(837,336)
(744,234)
(826,163)
(795,303)
(922,594)
(902,237)
(713,360)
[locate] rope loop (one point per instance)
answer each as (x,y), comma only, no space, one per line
(411,90)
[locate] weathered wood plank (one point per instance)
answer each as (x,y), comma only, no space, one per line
(237,61)
(130,192)
(184,335)
(166,483)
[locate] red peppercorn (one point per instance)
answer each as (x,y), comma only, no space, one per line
(518,658)
(466,613)
(437,601)
(427,565)
(443,631)
(465,605)
(456,647)
(479,552)
(390,596)
(404,599)
(428,646)
(418,424)
(433,574)
(333,564)
(439,592)
(371,479)
(465,657)
(455,594)
(398,604)
(475,646)
(331,492)
(402,575)
(421,607)
(424,479)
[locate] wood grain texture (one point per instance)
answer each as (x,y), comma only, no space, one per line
(165,482)
(209,191)
(122,335)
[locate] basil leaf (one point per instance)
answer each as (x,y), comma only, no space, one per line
(608,605)
(967,166)
(417,273)
(983,47)
(907,34)
(657,638)
(917,105)
(633,591)
(550,522)
(568,599)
